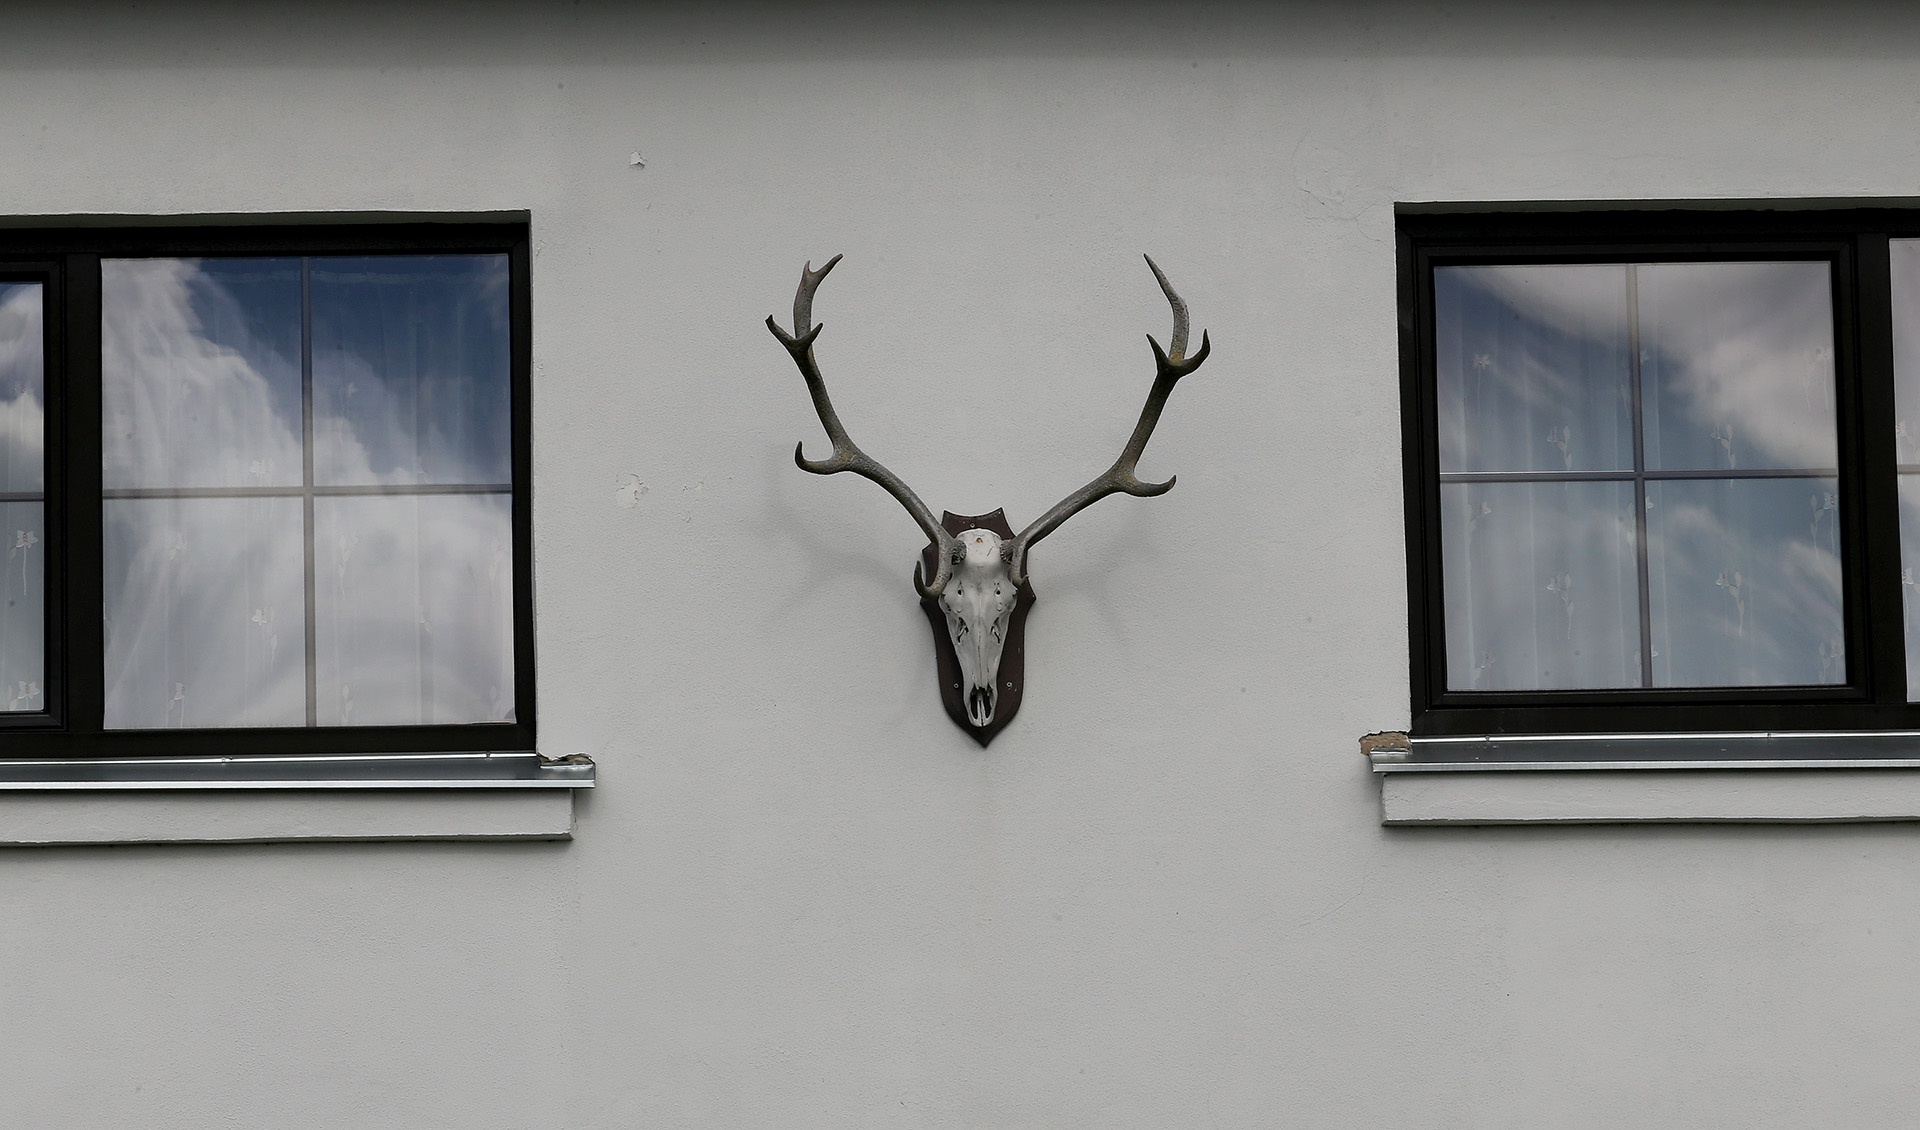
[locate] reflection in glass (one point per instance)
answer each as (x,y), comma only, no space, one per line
(1910,577)
(1905,255)
(205,622)
(1541,591)
(1532,368)
(414,609)
(1744,582)
(1737,367)
(410,362)
(1905,263)
(22,389)
(23,617)
(200,372)
(211,490)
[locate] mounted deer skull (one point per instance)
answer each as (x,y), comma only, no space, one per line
(979,591)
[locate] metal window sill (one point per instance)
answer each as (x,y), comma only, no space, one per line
(1761,777)
(448,796)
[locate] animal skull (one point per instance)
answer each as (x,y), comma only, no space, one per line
(979,602)
(975,577)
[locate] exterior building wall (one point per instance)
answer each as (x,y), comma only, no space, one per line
(800,896)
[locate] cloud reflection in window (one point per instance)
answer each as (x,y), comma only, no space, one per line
(206,596)
(1735,376)
(22,473)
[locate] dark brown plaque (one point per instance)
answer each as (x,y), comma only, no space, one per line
(1013,658)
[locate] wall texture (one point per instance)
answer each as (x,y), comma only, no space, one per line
(801,897)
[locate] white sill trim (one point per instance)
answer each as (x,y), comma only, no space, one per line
(1667,778)
(477,796)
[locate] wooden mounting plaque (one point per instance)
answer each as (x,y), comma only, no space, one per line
(1013,658)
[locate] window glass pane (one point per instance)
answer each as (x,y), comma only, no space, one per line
(1541,586)
(414,609)
(22,389)
(229,542)
(410,366)
(23,615)
(1910,577)
(1532,368)
(200,372)
(1736,363)
(1744,582)
(205,613)
(1905,255)
(23,618)
(1905,263)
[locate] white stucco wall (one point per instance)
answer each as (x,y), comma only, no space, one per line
(801,897)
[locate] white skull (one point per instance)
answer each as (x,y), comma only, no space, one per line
(979,600)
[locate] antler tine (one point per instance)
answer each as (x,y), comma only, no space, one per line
(803,297)
(1177,344)
(846,456)
(1171,365)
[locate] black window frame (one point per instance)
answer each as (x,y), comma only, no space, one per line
(1855,240)
(67,260)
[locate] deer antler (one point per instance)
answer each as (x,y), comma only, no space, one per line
(846,456)
(1119,478)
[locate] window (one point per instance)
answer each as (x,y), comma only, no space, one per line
(1662,469)
(264,490)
